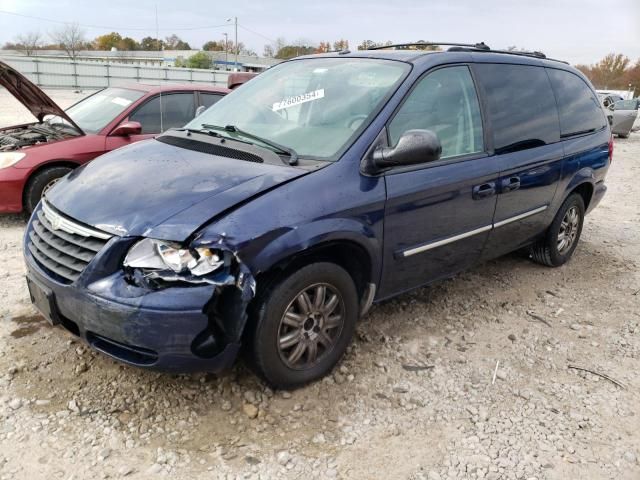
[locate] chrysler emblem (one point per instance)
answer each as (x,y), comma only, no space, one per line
(56,221)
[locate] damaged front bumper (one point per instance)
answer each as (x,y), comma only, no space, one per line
(178,328)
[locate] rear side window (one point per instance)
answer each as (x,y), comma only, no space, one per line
(178,109)
(444,102)
(522,106)
(580,110)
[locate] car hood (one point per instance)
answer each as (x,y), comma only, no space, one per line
(27,93)
(161,191)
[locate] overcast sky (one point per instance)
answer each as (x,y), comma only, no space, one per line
(579,31)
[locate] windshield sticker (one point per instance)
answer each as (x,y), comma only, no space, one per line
(298,99)
(123,102)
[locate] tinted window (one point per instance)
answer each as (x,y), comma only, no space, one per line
(445,102)
(521,106)
(178,109)
(580,110)
(208,99)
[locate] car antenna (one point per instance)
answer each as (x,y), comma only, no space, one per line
(159,81)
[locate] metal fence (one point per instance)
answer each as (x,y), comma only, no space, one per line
(50,73)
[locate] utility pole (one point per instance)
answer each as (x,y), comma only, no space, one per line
(226,51)
(235,23)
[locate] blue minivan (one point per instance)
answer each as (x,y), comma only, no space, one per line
(272,222)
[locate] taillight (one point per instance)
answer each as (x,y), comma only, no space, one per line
(611,149)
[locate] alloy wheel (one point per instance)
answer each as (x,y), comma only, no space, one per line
(568,230)
(310,326)
(48,186)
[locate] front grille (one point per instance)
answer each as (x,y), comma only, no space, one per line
(62,246)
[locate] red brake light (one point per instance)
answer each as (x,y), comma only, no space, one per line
(611,149)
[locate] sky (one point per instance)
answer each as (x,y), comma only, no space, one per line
(578,31)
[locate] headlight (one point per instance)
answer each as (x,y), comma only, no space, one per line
(149,254)
(10,158)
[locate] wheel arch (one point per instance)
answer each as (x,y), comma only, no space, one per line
(40,168)
(351,255)
(583,183)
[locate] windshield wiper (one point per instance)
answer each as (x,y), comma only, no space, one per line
(293,155)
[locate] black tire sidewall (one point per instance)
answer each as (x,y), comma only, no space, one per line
(265,353)
(552,235)
(36,185)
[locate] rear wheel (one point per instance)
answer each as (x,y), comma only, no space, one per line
(303,325)
(40,183)
(563,235)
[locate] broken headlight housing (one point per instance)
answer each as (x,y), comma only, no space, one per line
(151,255)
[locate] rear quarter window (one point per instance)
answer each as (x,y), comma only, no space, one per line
(580,110)
(522,107)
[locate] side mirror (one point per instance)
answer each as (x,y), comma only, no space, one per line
(127,128)
(200,110)
(414,146)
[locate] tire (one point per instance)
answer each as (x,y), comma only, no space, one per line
(623,135)
(280,347)
(550,250)
(39,183)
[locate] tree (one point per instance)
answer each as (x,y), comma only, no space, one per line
(151,44)
(268,51)
(291,51)
(173,42)
(108,41)
(127,43)
(214,46)
(341,44)
(632,77)
(610,72)
(70,38)
(431,48)
(199,60)
(366,44)
(324,47)
(29,42)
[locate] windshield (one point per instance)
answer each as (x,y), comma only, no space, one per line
(94,113)
(313,106)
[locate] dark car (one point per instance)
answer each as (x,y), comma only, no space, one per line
(275,219)
(36,155)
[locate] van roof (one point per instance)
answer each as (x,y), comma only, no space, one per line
(410,52)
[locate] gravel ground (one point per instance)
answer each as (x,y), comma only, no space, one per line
(413,398)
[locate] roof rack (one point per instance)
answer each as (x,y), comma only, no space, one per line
(400,46)
(467,47)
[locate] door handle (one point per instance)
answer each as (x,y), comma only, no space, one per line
(484,190)
(510,184)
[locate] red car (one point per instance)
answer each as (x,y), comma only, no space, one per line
(36,155)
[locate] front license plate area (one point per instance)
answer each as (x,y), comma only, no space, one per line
(43,299)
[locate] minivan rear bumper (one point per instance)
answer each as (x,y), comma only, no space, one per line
(156,330)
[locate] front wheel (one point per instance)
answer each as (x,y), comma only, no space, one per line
(303,325)
(40,183)
(562,237)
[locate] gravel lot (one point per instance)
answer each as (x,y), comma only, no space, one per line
(413,399)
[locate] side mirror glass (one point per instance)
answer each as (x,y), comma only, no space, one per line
(200,110)
(414,146)
(127,128)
